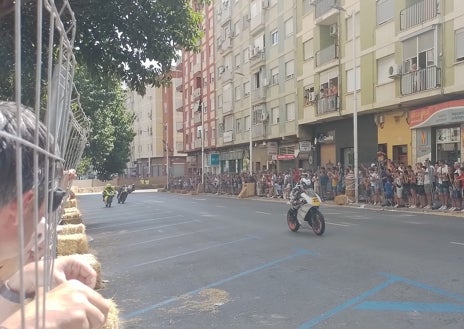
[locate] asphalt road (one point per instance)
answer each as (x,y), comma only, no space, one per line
(184,262)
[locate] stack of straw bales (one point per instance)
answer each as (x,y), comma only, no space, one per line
(72,239)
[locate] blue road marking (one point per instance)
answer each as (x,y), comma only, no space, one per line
(344,306)
(410,307)
(359,303)
(297,253)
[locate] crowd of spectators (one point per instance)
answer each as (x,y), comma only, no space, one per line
(384,183)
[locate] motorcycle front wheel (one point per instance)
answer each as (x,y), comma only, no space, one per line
(292,222)
(318,222)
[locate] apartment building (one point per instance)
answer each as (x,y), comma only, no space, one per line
(256,84)
(396,67)
(198,123)
(157,143)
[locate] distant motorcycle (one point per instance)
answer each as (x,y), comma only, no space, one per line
(304,207)
(124,191)
(108,199)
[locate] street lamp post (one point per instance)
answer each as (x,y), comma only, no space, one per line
(355,114)
(167,155)
(202,145)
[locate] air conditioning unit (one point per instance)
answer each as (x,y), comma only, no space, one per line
(333,30)
(221,69)
(394,71)
(265,4)
(254,51)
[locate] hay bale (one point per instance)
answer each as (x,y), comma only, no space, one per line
(112,322)
(341,200)
(71,229)
(93,261)
(72,244)
(71,216)
(70,203)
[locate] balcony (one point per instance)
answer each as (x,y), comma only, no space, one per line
(226,76)
(326,55)
(258,131)
(420,80)
(328,104)
(323,7)
(197,117)
(256,23)
(180,109)
(196,93)
(225,14)
(228,136)
(258,94)
(419,13)
(179,126)
(197,68)
(197,143)
(180,147)
(257,56)
(225,45)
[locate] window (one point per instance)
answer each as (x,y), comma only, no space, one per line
(247,123)
(246,88)
(238,93)
(275,115)
(419,51)
(238,125)
(274,37)
(385,10)
(350,79)
(349,27)
(237,60)
(246,55)
(289,70)
(308,51)
(459,42)
(289,27)
(237,28)
(290,111)
(309,95)
(275,76)
(198,134)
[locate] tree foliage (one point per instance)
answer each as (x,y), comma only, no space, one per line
(103,102)
(134,41)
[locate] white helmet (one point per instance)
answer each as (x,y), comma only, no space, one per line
(305,182)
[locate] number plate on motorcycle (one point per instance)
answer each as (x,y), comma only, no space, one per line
(316,202)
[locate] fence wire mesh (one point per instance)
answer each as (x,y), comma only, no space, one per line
(43,132)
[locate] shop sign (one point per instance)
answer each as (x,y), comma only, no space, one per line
(285,156)
(271,148)
(423,142)
(305,146)
(228,136)
(438,114)
(215,159)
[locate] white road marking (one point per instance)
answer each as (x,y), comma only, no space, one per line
(338,224)
(262,212)
(458,243)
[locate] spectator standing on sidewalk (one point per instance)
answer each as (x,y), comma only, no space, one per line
(443,184)
(323,181)
(429,183)
(420,181)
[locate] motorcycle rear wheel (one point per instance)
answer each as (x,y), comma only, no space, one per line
(292,222)
(318,222)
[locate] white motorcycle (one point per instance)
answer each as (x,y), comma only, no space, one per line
(304,207)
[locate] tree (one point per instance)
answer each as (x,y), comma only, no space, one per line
(134,41)
(108,149)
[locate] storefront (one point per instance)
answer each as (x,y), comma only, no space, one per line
(234,161)
(438,131)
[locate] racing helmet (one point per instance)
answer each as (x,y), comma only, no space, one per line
(306,182)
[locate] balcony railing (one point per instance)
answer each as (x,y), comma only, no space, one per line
(197,117)
(197,143)
(258,94)
(256,22)
(179,126)
(326,55)
(323,6)
(419,13)
(328,104)
(180,147)
(420,80)
(258,56)
(259,130)
(225,14)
